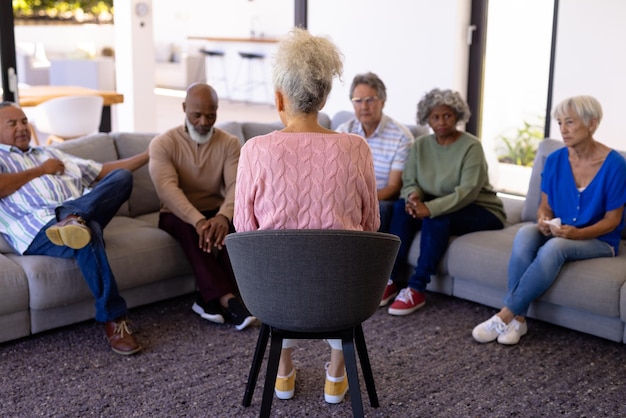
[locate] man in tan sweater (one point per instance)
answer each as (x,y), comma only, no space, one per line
(194,169)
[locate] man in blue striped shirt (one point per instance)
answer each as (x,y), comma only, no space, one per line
(44,211)
(389,140)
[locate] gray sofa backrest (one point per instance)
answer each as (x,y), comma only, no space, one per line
(144,198)
(105,147)
(533,196)
(247,130)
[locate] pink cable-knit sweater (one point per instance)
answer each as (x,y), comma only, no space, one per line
(306,181)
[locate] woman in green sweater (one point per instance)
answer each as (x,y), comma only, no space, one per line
(445,192)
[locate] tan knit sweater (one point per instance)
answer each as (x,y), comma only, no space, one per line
(190,177)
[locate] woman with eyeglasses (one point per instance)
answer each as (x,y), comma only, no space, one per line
(445,192)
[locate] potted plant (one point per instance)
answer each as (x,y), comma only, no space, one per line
(521,147)
(516,153)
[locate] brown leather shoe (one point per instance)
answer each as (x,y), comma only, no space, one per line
(71,231)
(121,337)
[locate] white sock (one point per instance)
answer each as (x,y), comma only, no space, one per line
(335,379)
(289,375)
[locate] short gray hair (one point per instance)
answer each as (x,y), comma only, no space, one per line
(304,68)
(437,97)
(372,80)
(586,107)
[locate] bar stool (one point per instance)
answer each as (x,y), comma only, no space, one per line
(254,79)
(215,76)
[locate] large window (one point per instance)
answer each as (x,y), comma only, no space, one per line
(515,91)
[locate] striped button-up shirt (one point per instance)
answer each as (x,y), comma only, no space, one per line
(390,145)
(24,212)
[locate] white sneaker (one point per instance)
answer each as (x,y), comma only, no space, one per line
(513,332)
(489,330)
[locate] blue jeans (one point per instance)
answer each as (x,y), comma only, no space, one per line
(436,233)
(385,208)
(97,208)
(536,260)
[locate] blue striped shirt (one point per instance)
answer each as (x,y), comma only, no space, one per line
(27,210)
(390,145)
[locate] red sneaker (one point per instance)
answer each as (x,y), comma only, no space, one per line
(407,302)
(391,291)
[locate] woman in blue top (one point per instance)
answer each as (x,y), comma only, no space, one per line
(583,192)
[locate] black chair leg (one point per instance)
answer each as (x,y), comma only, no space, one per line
(276,346)
(257,360)
(349,356)
(366,367)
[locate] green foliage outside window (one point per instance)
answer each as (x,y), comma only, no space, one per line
(83,11)
(521,147)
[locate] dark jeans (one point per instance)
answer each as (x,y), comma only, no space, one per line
(385,208)
(213,272)
(97,208)
(436,233)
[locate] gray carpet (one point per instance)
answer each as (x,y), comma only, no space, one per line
(425,365)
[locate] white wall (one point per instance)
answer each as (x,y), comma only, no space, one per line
(224,19)
(413,46)
(591,59)
(219,18)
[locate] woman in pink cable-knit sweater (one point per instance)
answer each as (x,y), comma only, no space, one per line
(306,176)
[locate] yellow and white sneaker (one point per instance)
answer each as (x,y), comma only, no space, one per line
(285,385)
(335,388)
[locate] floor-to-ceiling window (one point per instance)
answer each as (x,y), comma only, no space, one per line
(515,90)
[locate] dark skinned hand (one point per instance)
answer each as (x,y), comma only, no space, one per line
(212,232)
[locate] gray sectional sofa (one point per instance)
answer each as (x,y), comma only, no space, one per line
(38,293)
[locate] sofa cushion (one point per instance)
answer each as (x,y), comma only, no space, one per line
(5,247)
(324,120)
(252,129)
(513,206)
(340,117)
(143,198)
(139,254)
(471,256)
(233,128)
(589,285)
(13,287)
(99,147)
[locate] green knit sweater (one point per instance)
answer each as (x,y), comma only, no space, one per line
(448,178)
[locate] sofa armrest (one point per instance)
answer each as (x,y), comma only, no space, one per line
(513,206)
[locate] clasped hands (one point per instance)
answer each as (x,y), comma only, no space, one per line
(415,207)
(212,232)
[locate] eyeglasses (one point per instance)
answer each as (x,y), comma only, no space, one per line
(365,100)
